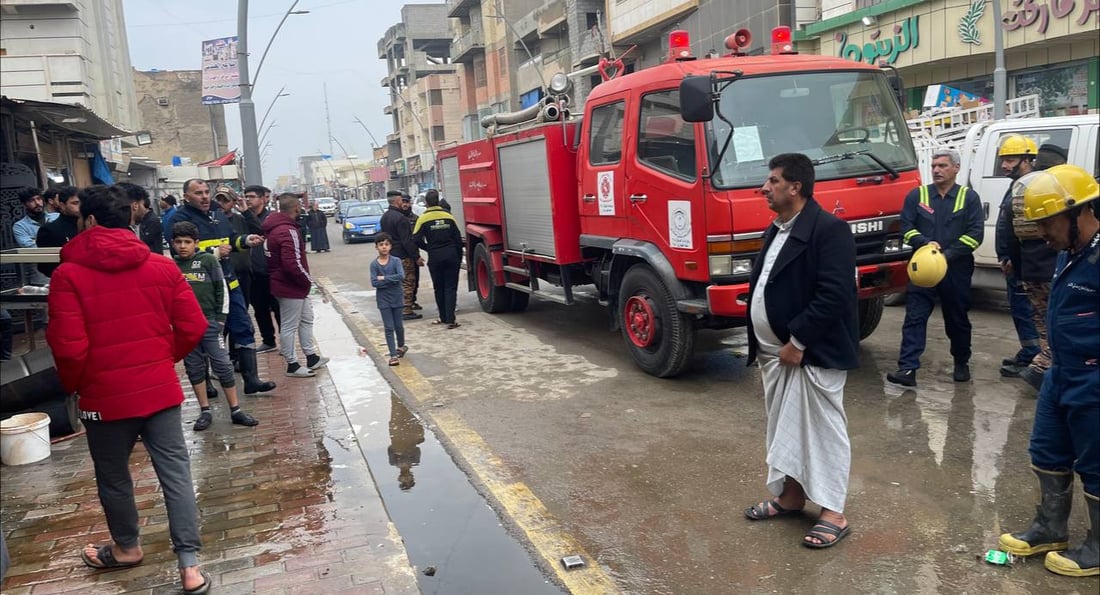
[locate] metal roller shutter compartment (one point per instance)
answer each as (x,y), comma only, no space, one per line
(452,190)
(525,186)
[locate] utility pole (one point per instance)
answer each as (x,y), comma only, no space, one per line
(1000,82)
(253,173)
(328,120)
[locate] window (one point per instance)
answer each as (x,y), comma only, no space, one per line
(1053,144)
(605,136)
(591,20)
(665,142)
(480,77)
(438,134)
(435,97)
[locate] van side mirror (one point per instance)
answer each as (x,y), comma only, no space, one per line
(697,99)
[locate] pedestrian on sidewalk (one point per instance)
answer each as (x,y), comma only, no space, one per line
(804,331)
(264,306)
(143,220)
(437,232)
(204,275)
(386,276)
(291,284)
(395,222)
(120,317)
(60,231)
(318,234)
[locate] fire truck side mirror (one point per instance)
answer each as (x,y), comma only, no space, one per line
(696,99)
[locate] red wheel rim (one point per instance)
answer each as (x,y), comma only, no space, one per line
(483,279)
(640,321)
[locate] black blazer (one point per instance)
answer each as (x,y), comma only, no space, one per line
(812,290)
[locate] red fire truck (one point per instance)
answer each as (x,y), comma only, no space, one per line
(652,196)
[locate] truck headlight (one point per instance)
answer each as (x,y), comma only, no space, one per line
(742,266)
(725,264)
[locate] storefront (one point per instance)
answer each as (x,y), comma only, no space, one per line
(1052,47)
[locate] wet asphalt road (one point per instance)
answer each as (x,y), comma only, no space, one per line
(651,475)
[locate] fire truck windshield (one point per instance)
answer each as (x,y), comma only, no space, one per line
(820,114)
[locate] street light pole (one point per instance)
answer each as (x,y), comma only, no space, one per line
(253,174)
(1000,82)
(353,171)
(360,122)
(268,112)
(273,124)
(263,56)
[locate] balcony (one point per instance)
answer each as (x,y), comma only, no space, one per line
(387,110)
(460,8)
(466,46)
(589,51)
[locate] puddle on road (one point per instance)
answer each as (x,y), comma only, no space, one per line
(444,522)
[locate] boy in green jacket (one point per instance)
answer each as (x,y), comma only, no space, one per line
(204,273)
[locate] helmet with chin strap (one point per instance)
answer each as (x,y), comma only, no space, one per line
(1018,145)
(1060,190)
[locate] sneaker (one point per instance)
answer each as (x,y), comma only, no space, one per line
(1033,377)
(417,306)
(266,347)
(241,418)
(203,422)
(296,370)
(903,377)
(961,373)
(316,362)
(412,316)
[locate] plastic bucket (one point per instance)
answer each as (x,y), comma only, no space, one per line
(24,438)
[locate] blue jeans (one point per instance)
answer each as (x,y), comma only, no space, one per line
(394,325)
(1064,436)
(1022,318)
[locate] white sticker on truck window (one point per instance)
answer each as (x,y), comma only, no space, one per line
(606,193)
(679,224)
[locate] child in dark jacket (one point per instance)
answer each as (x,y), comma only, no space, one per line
(204,274)
(386,275)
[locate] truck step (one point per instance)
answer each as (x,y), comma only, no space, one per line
(516,270)
(692,306)
(541,294)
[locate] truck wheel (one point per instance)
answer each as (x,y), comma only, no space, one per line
(870,313)
(519,300)
(493,298)
(660,338)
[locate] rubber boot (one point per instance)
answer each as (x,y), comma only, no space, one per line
(1083,560)
(252,383)
(1049,531)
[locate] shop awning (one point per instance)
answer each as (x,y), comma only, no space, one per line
(228,159)
(75,119)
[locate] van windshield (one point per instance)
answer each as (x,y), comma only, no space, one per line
(818,114)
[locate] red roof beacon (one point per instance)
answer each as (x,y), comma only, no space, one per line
(781,41)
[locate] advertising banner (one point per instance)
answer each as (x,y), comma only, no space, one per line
(221,81)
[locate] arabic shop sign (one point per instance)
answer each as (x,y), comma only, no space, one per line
(1029,12)
(906,37)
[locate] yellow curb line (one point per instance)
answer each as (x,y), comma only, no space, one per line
(546,534)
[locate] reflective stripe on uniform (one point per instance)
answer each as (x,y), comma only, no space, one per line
(960,199)
(909,235)
(207,244)
(924,196)
(969,241)
(234,284)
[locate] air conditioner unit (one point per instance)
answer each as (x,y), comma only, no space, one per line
(162,101)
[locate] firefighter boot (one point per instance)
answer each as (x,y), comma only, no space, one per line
(1083,560)
(252,382)
(1048,531)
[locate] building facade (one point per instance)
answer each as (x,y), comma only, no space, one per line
(424,99)
(1051,47)
(170,102)
(69,52)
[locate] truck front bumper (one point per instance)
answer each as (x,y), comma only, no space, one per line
(872,280)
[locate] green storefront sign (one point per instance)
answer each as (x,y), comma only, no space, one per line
(906,37)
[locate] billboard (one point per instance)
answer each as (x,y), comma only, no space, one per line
(221,81)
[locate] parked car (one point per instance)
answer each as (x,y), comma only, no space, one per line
(342,208)
(362,221)
(326,204)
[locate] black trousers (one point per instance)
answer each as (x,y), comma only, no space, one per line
(444,274)
(264,306)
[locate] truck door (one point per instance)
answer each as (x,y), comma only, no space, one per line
(663,190)
(601,166)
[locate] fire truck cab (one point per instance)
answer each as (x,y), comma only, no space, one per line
(652,197)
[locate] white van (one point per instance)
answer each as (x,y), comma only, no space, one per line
(981,170)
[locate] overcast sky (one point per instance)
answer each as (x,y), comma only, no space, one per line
(336,44)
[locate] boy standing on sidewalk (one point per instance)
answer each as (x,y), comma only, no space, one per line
(291,284)
(204,274)
(386,275)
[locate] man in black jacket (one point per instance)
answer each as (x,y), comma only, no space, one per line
(58,232)
(803,330)
(142,219)
(437,232)
(396,224)
(264,306)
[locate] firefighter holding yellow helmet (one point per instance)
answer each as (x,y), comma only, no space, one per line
(1064,438)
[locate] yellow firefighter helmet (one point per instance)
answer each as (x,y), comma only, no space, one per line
(1052,191)
(927,267)
(1017,145)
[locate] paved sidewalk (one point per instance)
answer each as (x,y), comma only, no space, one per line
(286,507)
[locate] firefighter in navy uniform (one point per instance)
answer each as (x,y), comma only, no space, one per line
(949,217)
(1065,436)
(216,235)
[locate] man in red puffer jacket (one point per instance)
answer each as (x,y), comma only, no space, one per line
(120,317)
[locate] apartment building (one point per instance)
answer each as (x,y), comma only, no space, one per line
(71,52)
(425,102)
